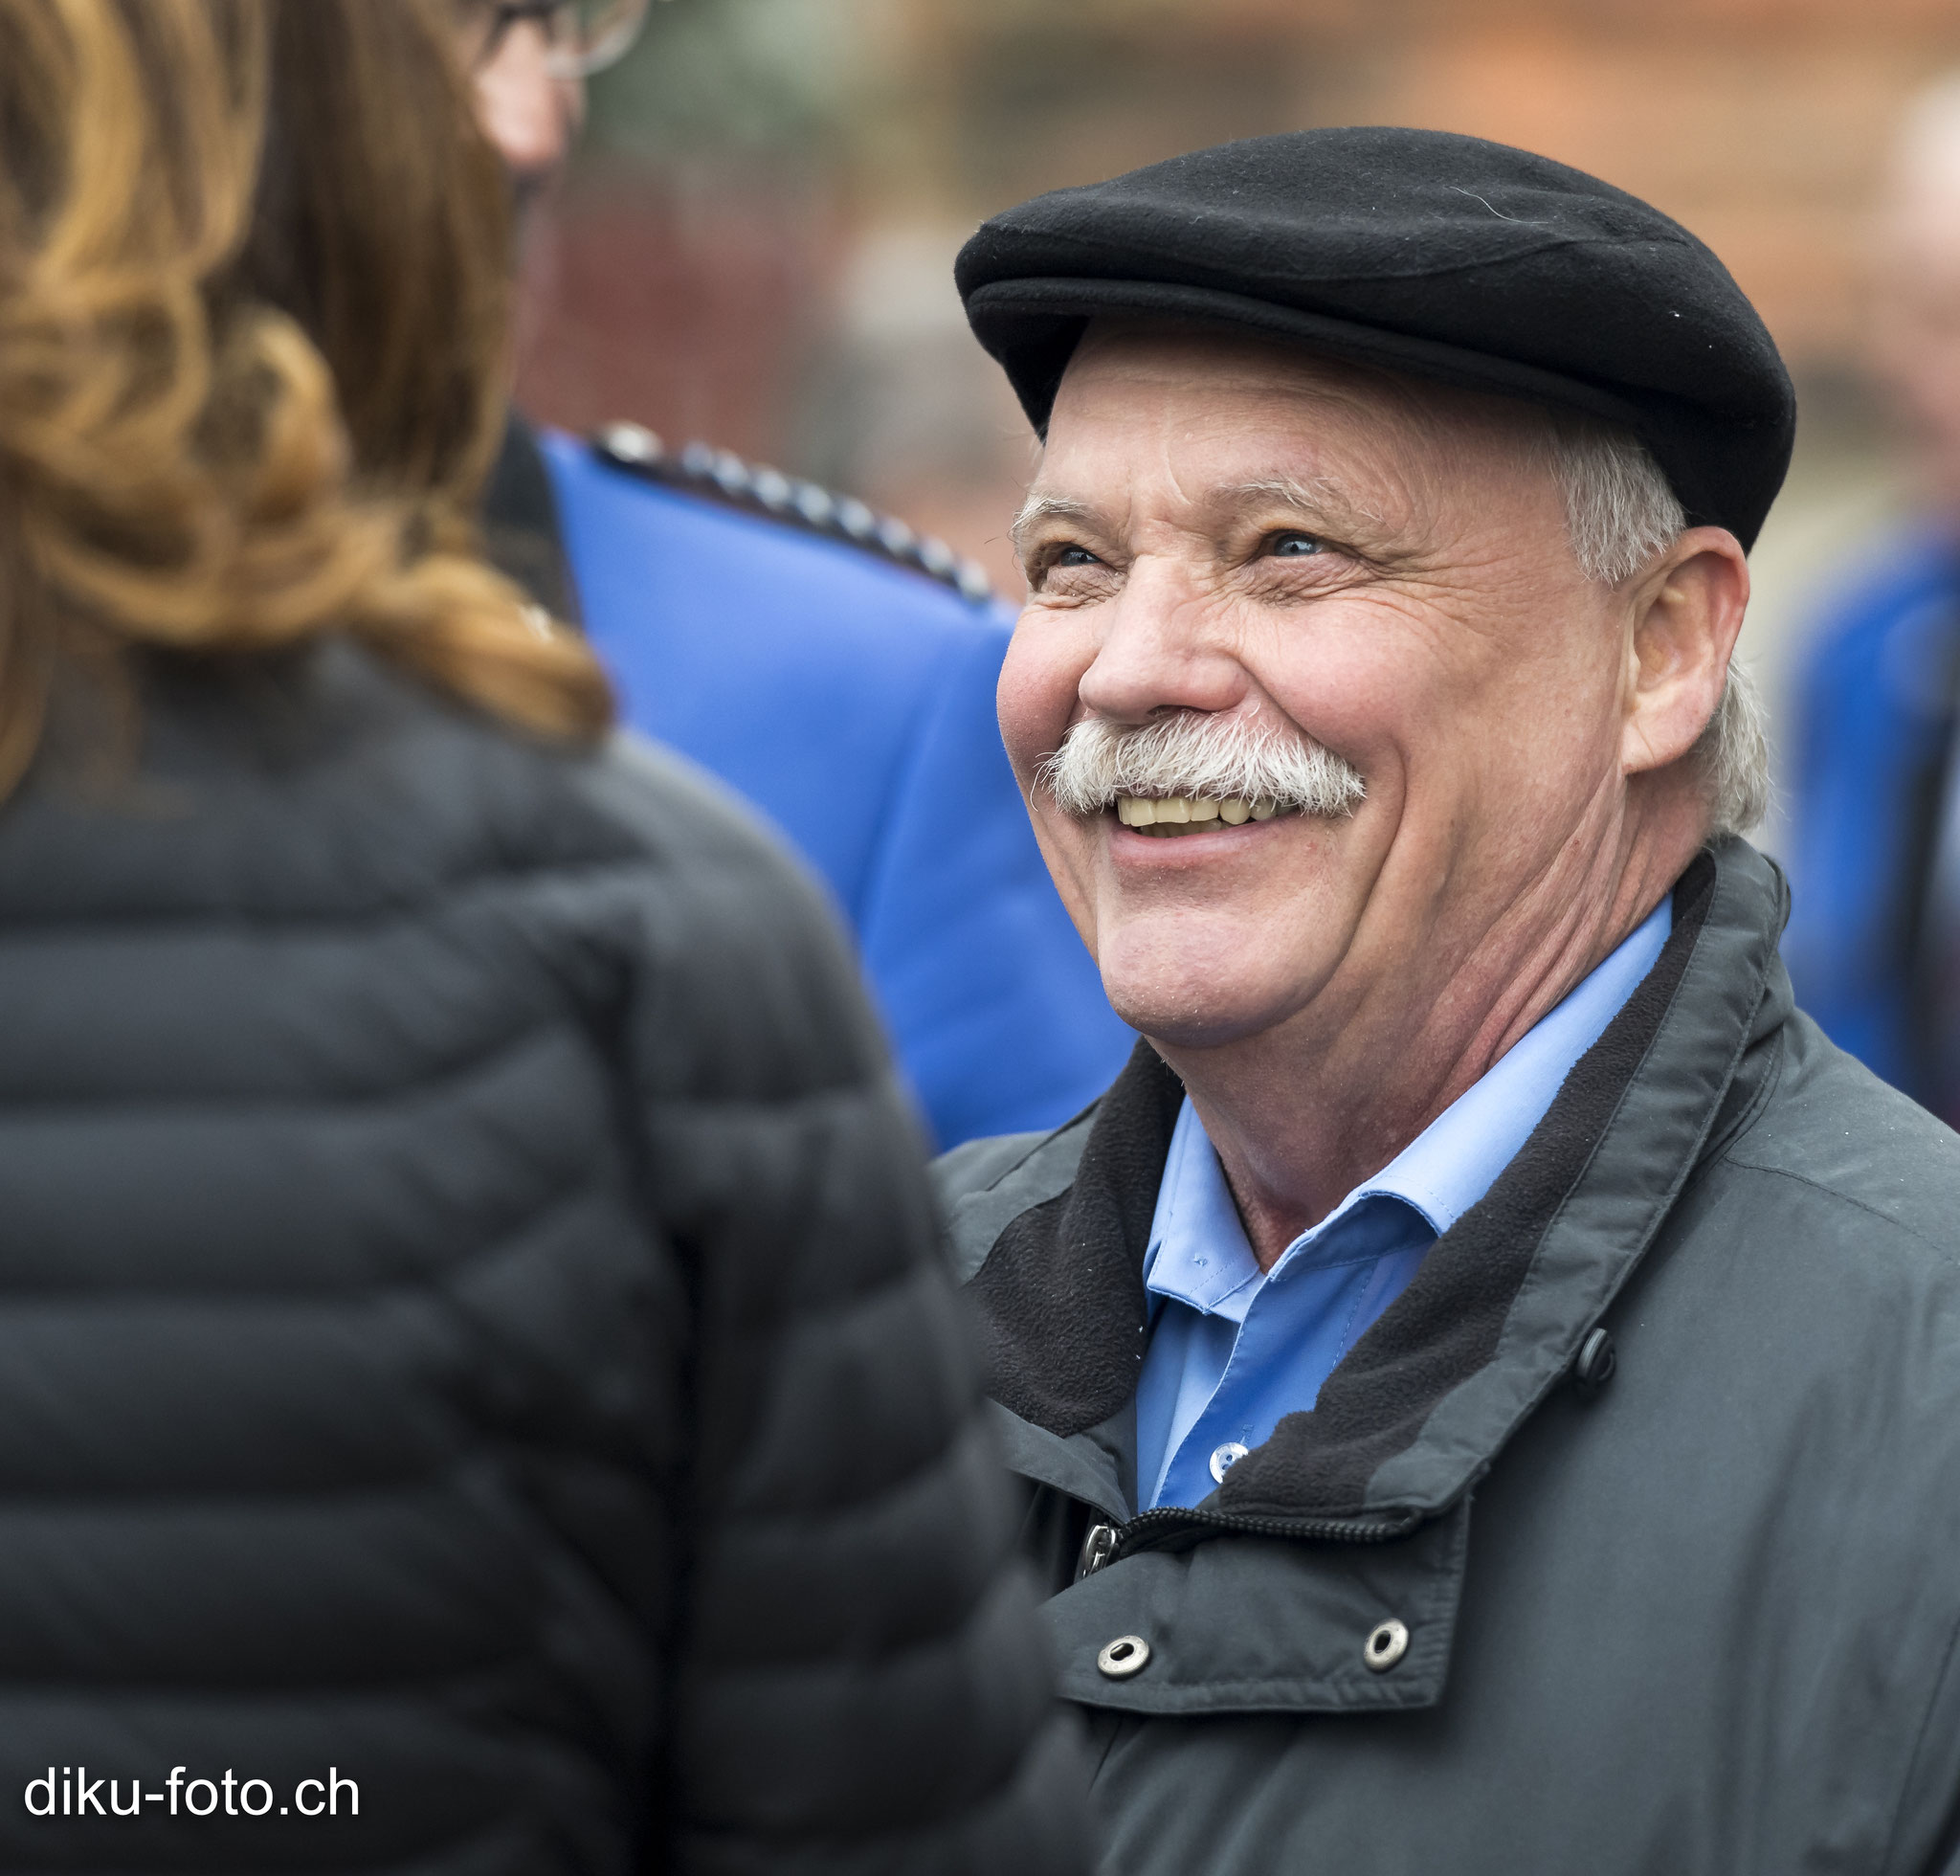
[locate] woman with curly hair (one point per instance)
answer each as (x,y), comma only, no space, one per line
(476,1392)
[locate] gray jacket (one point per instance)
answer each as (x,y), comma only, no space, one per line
(1500,1602)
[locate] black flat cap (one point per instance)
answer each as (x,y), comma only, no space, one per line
(1441,256)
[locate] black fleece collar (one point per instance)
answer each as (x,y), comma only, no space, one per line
(1426,1397)
(1060,1298)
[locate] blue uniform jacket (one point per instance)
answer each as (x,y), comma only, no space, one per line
(851,701)
(1872,733)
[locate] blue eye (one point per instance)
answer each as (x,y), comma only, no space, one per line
(1293,544)
(1075,557)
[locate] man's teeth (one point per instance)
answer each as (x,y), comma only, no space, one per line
(1183,814)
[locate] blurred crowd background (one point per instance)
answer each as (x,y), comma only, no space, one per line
(756,245)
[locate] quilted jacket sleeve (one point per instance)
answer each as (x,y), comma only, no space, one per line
(859,1684)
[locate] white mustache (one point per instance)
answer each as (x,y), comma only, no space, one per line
(1197,752)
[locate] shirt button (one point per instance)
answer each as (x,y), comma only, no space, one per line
(1127,1655)
(1225,1459)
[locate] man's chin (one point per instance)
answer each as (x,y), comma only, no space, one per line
(1181,1012)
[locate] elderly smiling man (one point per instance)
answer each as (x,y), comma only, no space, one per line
(1486,1377)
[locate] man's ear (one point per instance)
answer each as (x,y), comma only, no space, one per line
(1687,611)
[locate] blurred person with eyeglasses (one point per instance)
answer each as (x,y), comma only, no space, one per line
(1874,761)
(833,666)
(530,60)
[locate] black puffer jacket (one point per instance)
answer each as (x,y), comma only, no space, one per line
(470,1336)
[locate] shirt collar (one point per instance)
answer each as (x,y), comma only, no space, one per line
(1199,1252)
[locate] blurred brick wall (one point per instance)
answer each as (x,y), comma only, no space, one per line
(688,301)
(1759,123)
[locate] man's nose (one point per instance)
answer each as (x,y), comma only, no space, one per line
(526,111)
(1164,646)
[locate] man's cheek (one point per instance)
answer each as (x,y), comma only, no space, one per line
(1033,700)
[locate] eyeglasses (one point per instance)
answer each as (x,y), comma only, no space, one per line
(581,36)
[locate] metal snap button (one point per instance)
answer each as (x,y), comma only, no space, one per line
(1386,1644)
(1127,1655)
(1099,1546)
(1225,1459)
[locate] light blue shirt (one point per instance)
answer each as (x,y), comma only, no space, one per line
(1235,1349)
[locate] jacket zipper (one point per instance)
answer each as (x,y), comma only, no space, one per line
(1151,1530)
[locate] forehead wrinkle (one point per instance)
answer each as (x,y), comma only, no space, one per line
(1418,435)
